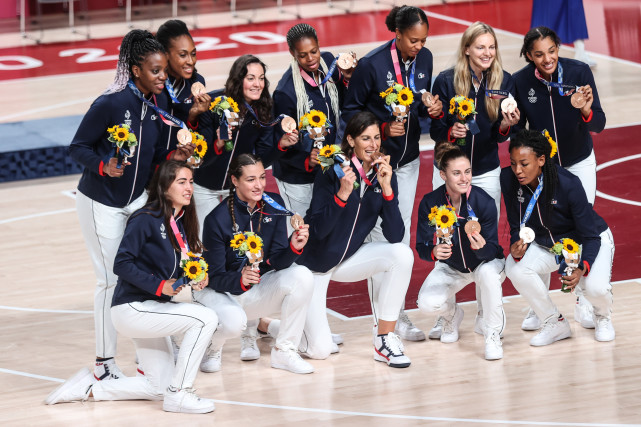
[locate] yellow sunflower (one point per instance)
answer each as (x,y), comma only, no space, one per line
(201,147)
(190,254)
(554,148)
(405,97)
(432,213)
(254,244)
(452,107)
(465,108)
(120,134)
(237,240)
(445,218)
(327,151)
(215,102)
(193,269)
(316,118)
(233,104)
(570,246)
(112,129)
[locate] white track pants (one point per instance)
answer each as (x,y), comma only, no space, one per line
(206,200)
(538,261)
(437,295)
(287,292)
(393,262)
(297,198)
(102,228)
(149,324)
(585,170)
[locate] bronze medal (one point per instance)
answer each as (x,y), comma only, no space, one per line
(345,61)
(297,221)
(578,100)
(472,227)
(427,99)
(288,124)
(183,136)
(197,89)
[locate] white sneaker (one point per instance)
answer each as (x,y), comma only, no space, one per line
(449,333)
(584,312)
(531,321)
(248,347)
(77,387)
(107,370)
(479,325)
(435,332)
(406,329)
(289,360)
(555,329)
(337,339)
(493,346)
(604,331)
(389,349)
(212,362)
(186,401)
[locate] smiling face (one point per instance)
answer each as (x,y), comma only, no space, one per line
(545,56)
(251,184)
(481,53)
(412,40)
(307,54)
(182,57)
(151,75)
(526,165)
(181,190)
(457,175)
(254,82)
(366,144)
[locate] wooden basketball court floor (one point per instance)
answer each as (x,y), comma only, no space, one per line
(46,320)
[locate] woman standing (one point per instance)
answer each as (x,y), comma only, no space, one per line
(406,61)
(473,256)
(559,94)
(340,218)
(545,204)
(248,86)
(112,186)
(241,288)
(148,264)
(191,108)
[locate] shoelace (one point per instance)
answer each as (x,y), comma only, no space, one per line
(404,318)
(493,338)
(394,344)
(602,322)
(248,342)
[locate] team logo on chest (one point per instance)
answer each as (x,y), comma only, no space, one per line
(421,76)
(153,117)
(390,78)
(127,118)
(187,101)
(377,190)
(531,96)
(519,196)
(267,219)
(163,234)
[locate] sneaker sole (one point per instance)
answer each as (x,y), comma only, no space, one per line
(562,337)
(54,396)
(493,357)
(173,408)
(286,368)
(380,358)
(249,358)
(530,328)
(413,337)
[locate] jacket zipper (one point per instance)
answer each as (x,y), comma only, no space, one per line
(556,137)
(142,117)
(458,230)
(231,156)
(351,233)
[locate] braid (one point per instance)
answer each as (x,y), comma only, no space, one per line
(301,94)
(135,47)
(299,32)
(230,206)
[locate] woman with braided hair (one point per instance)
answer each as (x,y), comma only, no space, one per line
(240,288)
(546,205)
(112,185)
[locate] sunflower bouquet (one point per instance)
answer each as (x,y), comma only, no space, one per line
(199,151)
(443,218)
(315,126)
(332,156)
(569,252)
(227,110)
(124,142)
(464,109)
(194,269)
(398,99)
(248,244)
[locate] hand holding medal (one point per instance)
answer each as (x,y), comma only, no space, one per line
(347,63)
(582,99)
(290,137)
(433,103)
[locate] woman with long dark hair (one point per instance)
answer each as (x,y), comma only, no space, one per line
(148,264)
(112,185)
(546,204)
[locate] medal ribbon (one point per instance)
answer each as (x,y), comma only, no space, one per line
(397,69)
(166,117)
(274,204)
(263,124)
(361,172)
(558,85)
(172,92)
(183,249)
(449,202)
(328,76)
(470,211)
(490,93)
(530,206)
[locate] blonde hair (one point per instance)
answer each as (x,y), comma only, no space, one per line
(301,94)
(462,75)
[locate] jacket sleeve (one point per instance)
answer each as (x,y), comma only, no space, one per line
(583,217)
(439,130)
(93,128)
(138,230)
(216,245)
(597,123)
(293,156)
(326,209)
(489,229)
(360,86)
(511,206)
(424,232)
(392,224)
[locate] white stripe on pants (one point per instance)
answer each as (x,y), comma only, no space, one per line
(206,200)
(585,170)
(443,282)
(525,276)
(393,260)
(149,324)
(297,198)
(286,291)
(102,228)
